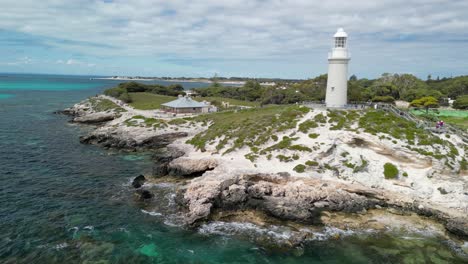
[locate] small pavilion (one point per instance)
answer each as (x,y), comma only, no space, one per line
(184,105)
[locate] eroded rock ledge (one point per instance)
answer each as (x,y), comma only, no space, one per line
(116,141)
(298,199)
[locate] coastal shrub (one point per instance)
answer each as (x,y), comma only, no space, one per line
(312,163)
(274,137)
(125,98)
(250,127)
(375,122)
(344,154)
(405,174)
(305,126)
(349,164)
(463,164)
(295,157)
(313,135)
(390,171)
(135,87)
(177,121)
(103,105)
(300,168)
(320,118)
(337,118)
(251,156)
(283,158)
(300,148)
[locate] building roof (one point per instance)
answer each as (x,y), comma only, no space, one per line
(184,102)
(340,33)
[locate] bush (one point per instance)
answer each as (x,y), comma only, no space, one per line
(461,102)
(390,171)
(312,163)
(125,98)
(384,99)
(299,168)
(313,135)
(405,174)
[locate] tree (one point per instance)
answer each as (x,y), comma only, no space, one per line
(425,102)
(384,99)
(461,102)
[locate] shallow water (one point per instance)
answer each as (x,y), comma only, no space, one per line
(63,202)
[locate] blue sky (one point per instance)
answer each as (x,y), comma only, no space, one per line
(254,38)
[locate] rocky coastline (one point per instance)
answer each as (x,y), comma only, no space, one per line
(217,184)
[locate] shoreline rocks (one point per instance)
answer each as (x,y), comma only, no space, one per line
(297,199)
(110,140)
(95,118)
(138,181)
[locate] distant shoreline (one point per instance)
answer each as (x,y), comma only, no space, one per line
(171,80)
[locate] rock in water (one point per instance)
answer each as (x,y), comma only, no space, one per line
(145,195)
(138,181)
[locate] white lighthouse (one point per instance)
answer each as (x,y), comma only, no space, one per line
(337,84)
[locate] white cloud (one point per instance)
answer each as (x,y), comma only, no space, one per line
(242,29)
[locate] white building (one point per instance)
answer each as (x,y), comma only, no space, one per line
(337,84)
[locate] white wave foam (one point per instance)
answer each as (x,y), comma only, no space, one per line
(279,233)
(151,213)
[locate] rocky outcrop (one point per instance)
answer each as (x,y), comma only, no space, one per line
(190,167)
(95,118)
(110,140)
(298,199)
(278,195)
(162,158)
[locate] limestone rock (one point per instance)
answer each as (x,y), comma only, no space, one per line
(190,167)
(95,118)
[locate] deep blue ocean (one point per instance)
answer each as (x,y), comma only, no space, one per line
(64,202)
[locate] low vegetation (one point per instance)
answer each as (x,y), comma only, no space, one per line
(149,101)
(390,171)
(102,105)
(250,127)
(123,90)
(142,121)
(300,168)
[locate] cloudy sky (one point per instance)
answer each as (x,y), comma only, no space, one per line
(255,38)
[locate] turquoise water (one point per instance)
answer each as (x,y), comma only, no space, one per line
(63,202)
(5,96)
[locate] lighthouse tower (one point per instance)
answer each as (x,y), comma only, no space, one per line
(337,84)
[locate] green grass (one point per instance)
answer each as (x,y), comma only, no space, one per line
(458,118)
(390,171)
(231,101)
(250,127)
(149,101)
(102,105)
